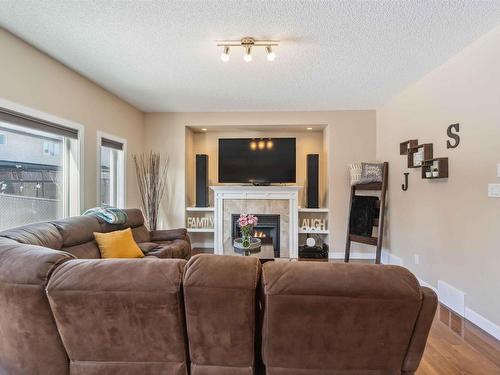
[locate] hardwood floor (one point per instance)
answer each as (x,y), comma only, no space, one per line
(471,351)
(455,346)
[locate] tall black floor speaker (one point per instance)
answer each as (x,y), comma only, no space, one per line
(201,180)
(313,181)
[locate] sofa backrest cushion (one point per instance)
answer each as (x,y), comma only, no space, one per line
(220,299)
(77,230)
(135,221)
(78,236)
(39,234)
(121,316)
(358,318)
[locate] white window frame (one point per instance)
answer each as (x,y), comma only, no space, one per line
(77,206)
(121,201)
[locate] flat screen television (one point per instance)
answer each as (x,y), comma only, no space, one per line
(257,161)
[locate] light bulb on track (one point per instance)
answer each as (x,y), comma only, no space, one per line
(248,54)
(270,54)
(225,54)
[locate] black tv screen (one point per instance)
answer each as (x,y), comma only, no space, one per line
(256,160)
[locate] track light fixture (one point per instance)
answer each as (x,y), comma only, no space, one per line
(248,43)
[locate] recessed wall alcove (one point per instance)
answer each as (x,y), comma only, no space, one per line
(201,139)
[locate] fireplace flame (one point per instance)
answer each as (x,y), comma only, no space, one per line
(259,234)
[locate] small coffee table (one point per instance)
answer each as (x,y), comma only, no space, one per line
(265,251)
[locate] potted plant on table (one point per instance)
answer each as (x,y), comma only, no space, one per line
(246,223)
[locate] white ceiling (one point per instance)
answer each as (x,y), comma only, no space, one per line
(161,55)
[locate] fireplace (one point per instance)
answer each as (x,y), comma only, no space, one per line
(268,230)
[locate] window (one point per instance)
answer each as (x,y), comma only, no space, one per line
(39,170)
(51,148)
(111,180)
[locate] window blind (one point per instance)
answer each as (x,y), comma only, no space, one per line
(26,121)
(105,142)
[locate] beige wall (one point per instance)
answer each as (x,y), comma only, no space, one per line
(451,224)
(351,137)
(33,79)
(307,142)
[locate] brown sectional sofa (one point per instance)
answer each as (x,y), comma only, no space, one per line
(211,315)
(29,340)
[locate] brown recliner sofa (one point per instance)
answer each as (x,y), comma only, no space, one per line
(222,315)
(120,316)
(337,319)
(211,315)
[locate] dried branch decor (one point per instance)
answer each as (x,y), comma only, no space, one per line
(152,179)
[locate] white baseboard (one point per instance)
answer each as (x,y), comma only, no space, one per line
(451,297)
(426,284)
(482,323)
(388,258)
(456,295)
(339,255)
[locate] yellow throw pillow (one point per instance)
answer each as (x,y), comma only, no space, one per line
(118,244)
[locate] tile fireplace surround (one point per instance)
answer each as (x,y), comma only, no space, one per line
(277,200)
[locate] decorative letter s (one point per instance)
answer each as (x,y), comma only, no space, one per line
(450,131)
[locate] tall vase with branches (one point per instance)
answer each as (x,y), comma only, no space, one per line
(151,169)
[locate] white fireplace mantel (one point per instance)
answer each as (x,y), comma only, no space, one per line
(289,193)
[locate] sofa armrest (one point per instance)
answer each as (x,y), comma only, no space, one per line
(130,311)
(169,234)
(421,331)
(28,264)
(29,341)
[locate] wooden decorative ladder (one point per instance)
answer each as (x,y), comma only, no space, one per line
(378,222)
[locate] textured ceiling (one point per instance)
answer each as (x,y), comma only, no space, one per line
(161,55)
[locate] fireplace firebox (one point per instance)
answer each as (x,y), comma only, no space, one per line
(267,229)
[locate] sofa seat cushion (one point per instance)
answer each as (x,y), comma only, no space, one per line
(146,247)
(86,250)
(178,249)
